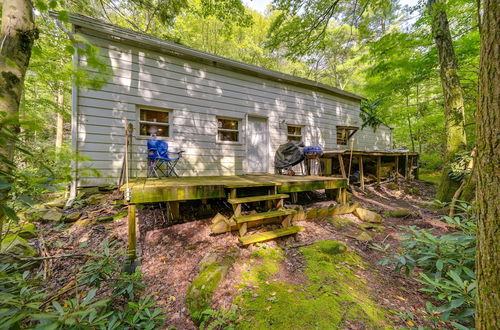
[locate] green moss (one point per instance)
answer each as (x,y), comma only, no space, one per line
(339,223)
(331,297)
(264,263)
(398,213)
(199,294)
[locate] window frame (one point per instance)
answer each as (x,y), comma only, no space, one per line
(139,122)
(238,120)
(295,135)
(350,130)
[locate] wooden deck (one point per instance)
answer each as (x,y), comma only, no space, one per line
(151,190)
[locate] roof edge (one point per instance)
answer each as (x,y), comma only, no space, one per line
(112,32)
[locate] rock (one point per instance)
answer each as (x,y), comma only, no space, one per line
(16,246)
(207,260)
(52,215)
(339,223)
(364,237)
(398,213)
(95,199)
(27,231)
(323,212)
(58,203)
(218,217)
(311,213)
(83,223)
(367,216)
(300,215)
(34,214)
(343,209)
(73,216)
(104,219)
(121,214)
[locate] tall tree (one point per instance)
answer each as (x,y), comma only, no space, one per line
(453,96)
(18,33)
(488,169)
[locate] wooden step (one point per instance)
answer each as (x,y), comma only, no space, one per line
(261,237)
(256,198)
(263,215)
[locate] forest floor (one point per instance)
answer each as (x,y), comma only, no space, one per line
(306,281)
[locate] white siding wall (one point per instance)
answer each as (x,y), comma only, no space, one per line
(196,94)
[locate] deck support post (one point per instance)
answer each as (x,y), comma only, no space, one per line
(417,174)
(361,174)
(342,167)
(406,167)
(132,238)
(342,196)
(174,210)
(379,165)
(397,170)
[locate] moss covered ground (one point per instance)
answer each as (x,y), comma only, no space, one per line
(331,295)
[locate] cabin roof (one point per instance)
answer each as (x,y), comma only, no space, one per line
(98,28)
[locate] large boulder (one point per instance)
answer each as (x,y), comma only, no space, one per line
(13,247)
(367,215)
(52,215)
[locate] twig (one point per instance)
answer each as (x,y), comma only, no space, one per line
(46,257)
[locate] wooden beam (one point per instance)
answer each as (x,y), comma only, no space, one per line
(379,164)
(361,174)
(397,169)
(342,167)
(174,210)
(132,238)
(406,167)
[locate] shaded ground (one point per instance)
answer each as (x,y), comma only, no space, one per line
(171,257)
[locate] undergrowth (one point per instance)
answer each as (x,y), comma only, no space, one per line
(447,264)
(99,296)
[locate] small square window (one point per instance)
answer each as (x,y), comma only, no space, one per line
(344,133)
(154,123)
(294,133)
(228,129)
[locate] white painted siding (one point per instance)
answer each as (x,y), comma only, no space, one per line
(197,93)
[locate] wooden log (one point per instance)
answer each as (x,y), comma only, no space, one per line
(361,174)
(132,238)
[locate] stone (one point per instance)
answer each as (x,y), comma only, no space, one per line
(323,212)
(104,219)
(300,215)
(364,237)
(83,223)
(27,231)
(339,223)
(14,247)
(52,215)
(398,213)
(343,209)
(367,216)
(95,199)
(58,203)
(73,216)
(34,214)
(312,213)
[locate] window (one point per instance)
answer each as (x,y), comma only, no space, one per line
(228,129)
(294,133)
(154,122)
(344,133)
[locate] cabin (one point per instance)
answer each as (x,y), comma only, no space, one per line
(228,117)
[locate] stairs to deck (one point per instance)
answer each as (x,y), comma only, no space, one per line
(273,199)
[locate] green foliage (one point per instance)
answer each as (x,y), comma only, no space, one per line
(369,114)
(24,302)
(447,262)
(219,318)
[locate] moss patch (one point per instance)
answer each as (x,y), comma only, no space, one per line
(332,297)
(339,223)
(199,294)
(263,263)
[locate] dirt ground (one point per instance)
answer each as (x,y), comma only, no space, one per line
(170,256)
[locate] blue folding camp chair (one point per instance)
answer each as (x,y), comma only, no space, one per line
(159,161)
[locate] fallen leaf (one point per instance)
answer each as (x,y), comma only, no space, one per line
(268,308)
(273,293)
(410,323)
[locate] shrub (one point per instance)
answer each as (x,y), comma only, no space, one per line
(447,262)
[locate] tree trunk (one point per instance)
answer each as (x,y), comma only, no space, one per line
(59,120)
(453,96)
(488,170)
(18,32)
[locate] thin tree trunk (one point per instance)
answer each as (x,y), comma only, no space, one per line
(453,96)
(18,32)
(488,171)
(59,120)
(409,124)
